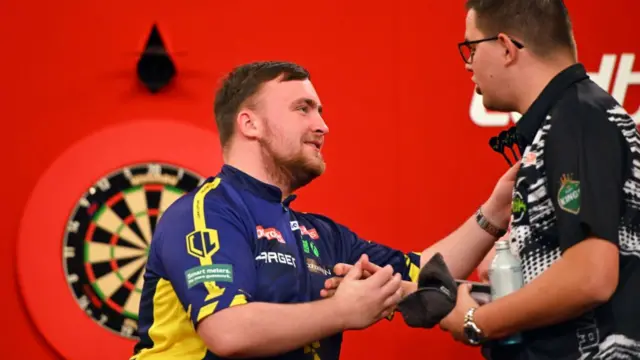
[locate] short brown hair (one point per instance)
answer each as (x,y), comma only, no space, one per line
(543,26)
(242,83)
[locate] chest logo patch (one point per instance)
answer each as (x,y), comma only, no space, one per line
(529,159)
(314,267)
(569,194)
(518,207)
(269,233)
(309,246)
(312,233)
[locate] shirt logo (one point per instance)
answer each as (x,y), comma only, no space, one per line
(269,233)
(276,257)
(309,246)
(518,207)
(312,233)
(569,195)
(529,159)
(314,267)
(208,273)
(202,244)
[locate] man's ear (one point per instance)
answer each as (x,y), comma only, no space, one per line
(248,124)
(511,52)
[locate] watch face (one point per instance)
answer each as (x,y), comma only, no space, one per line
(471,334)
(107,240)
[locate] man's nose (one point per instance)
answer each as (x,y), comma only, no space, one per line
(320,126)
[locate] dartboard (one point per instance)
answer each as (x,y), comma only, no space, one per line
(108,235)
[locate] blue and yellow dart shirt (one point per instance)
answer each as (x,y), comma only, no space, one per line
(233,241)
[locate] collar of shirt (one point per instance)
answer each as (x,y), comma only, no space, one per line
(528,125)
(258,188)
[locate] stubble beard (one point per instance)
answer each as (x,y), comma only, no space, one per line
(289,172)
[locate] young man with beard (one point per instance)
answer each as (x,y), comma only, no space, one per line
(578,233)
(234,271)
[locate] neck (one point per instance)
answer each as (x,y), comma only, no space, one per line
(539,75)
(255,167)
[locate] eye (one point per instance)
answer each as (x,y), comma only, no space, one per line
(303,108)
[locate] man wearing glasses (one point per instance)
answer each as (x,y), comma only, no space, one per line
(578,233)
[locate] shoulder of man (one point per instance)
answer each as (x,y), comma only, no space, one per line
(211,199)
(585,110)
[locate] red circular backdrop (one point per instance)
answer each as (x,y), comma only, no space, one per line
(47,297)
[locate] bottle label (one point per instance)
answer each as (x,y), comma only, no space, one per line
(505,281)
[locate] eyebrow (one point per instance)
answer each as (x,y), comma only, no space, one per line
(310,102)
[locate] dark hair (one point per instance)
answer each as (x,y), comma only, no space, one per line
(240,86)
(543,26)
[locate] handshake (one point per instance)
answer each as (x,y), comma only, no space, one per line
(365,293)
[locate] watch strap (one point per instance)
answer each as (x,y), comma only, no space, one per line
(487,226)
(473,333)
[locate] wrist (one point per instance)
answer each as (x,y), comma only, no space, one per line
(481,322)
(496,215)
(340,313)
(408,287)
(489,226)
(473,332)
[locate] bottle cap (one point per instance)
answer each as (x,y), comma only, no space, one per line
(502,244)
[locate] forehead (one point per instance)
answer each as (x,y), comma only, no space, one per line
(288,91)
(471,30)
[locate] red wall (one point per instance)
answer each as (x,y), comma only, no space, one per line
(406,161)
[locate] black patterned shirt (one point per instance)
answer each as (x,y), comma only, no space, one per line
(579,177)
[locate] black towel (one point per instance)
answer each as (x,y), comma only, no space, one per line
(435,297)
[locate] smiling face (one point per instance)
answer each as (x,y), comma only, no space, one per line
(292,130)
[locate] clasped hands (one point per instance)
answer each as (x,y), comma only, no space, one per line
(374,276)
(365,269)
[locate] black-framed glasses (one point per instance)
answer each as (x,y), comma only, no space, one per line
(467,49)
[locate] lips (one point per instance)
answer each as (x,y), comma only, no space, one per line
(316,143)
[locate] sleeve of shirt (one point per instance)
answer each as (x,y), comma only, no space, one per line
(352,247)
(207,257)
(586,160)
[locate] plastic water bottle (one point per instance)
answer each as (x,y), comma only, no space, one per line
(505,277)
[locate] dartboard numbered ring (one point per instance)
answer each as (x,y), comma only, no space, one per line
(84,234)
(107,239)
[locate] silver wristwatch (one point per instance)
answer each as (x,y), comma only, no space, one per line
(488,226)
(472,332)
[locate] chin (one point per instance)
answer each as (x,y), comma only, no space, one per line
(313,162)
(496,106)
(321,168)
(315,167)
(490,104)
(304,170)
(494,102)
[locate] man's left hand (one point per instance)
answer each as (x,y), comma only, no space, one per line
(369,268)
(454,322)
(331,284)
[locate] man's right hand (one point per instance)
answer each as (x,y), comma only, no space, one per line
(363,302)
